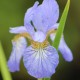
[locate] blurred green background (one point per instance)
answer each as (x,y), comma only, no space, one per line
(12,15)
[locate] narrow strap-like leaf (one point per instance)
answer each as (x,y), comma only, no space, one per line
(60,29)
(61,25)
(3,65)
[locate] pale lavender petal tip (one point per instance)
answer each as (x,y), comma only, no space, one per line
(16,54)
(41,63)
(13,65)
(16,30)
(65,51)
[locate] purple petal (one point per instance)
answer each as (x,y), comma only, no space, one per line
(46,15)
(65,51)
(63,48)
(16,54)
(28,18)
(41,63)
(28,29)
(55,26)
(29,14)
(17,30)
(39,36)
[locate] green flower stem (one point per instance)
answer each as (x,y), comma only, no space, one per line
(3,65)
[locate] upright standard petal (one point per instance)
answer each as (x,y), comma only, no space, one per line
(65,51)
(16,30)
(46,15)
(41,63)
(29,14)
(28,18)
(63,48)
(16,54)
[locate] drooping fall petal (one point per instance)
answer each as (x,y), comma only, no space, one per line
(41,62)
(16,54)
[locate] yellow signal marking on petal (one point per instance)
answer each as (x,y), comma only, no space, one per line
(37,45)
(50,32)
(26,35)
(22,35)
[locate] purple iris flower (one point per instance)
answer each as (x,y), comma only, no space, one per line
(39,57)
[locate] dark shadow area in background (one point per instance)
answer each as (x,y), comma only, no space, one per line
(0,77)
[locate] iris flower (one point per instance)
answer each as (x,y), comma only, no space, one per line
(39,57)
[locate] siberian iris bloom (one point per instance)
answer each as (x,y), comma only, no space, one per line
(39,56)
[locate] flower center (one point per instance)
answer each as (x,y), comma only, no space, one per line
(39,36)
(38,45)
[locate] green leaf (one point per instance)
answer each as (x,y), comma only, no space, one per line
(3,65)
(60,29)
(61,25)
